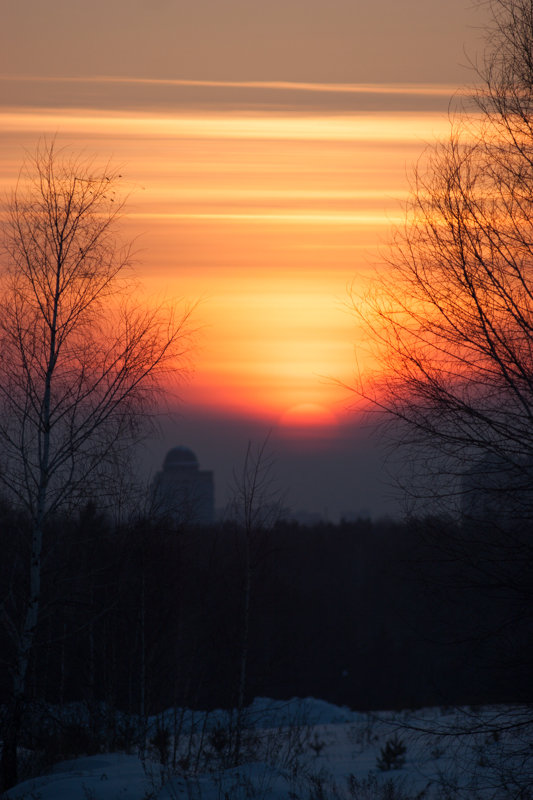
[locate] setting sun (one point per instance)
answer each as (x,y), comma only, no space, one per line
(264,219)
(307,419)
(258,205)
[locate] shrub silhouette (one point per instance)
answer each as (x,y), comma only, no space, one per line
(392,755)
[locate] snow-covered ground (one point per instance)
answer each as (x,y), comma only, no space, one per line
(307,750)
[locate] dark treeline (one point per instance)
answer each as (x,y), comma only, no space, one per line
(372,615)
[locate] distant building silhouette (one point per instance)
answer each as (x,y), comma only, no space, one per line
(498,491)
(182,490)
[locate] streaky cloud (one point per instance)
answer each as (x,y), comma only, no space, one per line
(297,126)
(349,88)
(127,93)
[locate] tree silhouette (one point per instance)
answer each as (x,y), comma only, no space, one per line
(452,317)
(80,365)
(451,320)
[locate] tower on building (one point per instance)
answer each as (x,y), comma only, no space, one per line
(182,490)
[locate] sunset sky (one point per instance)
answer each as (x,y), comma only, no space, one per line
(265,149)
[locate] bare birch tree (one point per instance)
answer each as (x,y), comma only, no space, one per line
(451,319)
(451,322)
(255,508)
(80,362)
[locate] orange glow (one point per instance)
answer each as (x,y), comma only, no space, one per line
(264,218)
(307,419)
(377,127)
